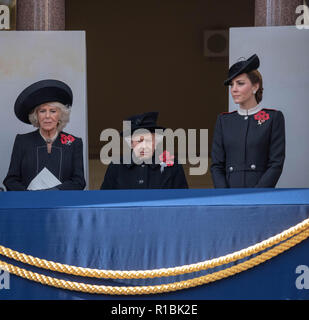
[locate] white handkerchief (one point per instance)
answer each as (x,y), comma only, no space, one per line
(43,180)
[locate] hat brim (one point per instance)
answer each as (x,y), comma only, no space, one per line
(251,64)
(133,129)
(39,93)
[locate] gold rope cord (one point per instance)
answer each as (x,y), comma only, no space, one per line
(137,290)
(163,272)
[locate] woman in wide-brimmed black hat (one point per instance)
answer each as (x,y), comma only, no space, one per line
(145,170)
(248,149)
(48,152)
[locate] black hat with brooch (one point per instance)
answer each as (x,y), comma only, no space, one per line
(41,92)
(240,67)
(146,121)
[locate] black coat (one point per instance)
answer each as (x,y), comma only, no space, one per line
(246,154)
(30,156)
(144,176)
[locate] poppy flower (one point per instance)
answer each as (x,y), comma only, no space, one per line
(66,139)
(167,158)
(261,116)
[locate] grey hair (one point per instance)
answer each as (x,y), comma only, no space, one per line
(64,115)
(158,138)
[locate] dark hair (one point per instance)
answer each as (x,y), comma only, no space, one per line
(255,77)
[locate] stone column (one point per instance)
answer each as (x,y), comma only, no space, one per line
(40,15)
(276,12)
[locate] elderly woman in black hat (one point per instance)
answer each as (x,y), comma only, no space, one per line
(49,153)
(248,148)
(145,170)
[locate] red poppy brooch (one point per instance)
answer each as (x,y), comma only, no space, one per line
(67,140)
(166,160)
(261,117)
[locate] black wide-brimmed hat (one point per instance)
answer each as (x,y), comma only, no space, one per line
(242,67)
(146,120)
(41,92)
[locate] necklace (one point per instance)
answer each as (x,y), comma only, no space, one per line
(49,140)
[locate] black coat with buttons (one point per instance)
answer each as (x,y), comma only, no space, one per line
(30,156)
(246,152)
(144,176)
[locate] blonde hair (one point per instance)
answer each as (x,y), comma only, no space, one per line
(64,115)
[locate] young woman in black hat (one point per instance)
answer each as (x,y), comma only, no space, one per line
(145,170)
(46,105)
(248,148)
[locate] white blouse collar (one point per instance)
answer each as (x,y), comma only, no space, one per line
(249,112)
